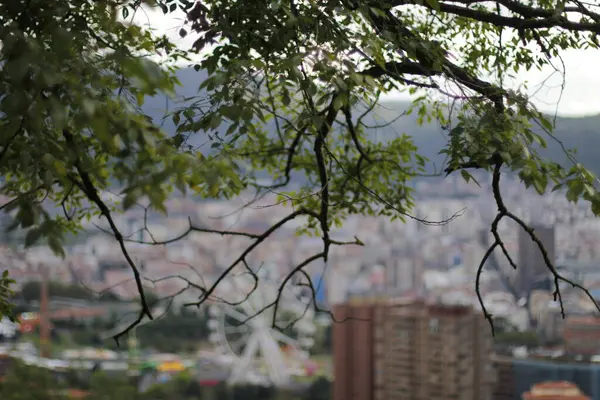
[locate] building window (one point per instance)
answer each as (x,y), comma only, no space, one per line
(434,325)
(402,334)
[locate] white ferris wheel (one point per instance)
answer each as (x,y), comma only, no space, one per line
(261,353)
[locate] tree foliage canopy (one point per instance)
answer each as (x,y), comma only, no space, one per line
(26,382)
(72,80)
(74,76)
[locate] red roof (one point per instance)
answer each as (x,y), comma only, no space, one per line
(77,394)
(555,390)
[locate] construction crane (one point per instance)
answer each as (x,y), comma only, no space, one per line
(44,321)
(29,321)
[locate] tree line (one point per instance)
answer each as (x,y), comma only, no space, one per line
(33,383)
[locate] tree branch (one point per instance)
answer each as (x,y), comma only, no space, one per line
(87,187)
(530,17)
(503,212)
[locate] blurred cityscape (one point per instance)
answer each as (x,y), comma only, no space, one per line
(407,322)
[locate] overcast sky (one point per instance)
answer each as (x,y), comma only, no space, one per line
(581,95)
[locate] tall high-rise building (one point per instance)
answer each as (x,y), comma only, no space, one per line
(353,351)
(403,274)
(532,270)
(411,350)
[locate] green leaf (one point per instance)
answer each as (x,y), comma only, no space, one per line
(468,177)
(131,198)
(247,114)
(55,245)
(433,4)
(215,121)
(33,236)
(539,186)
(546,123)
(338,103)
(139,98)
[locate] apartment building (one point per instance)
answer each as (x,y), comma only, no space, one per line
(504,387)
(581,335)
(353,351)
(412,350)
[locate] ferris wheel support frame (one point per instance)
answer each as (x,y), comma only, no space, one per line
(262,341)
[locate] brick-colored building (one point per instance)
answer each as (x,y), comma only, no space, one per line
(411,350)
(504,387)
(582,335)
(353,352)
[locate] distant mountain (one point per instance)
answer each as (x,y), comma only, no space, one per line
(580,133)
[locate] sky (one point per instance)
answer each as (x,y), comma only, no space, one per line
(580,96)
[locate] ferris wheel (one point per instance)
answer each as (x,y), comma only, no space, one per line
(261,353)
